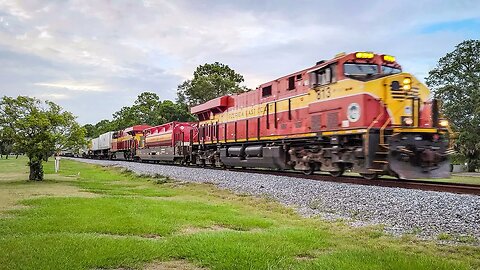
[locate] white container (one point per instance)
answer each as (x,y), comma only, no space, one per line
(105,141)
(94,144)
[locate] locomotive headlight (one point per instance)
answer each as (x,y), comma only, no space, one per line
(407,84)
(408,121)
(364,55)
(388,58)
(443,123)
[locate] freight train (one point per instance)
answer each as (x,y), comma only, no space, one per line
(358,112)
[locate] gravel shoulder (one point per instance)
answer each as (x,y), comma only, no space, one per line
(427,214)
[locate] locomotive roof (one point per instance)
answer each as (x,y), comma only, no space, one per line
(341,57)
(223,102)
(136,128)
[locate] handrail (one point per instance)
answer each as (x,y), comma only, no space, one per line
(367,138)
(377,118)
(382,131)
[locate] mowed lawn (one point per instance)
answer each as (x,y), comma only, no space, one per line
(90,217)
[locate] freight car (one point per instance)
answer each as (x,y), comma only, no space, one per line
(356,112)
(100,147)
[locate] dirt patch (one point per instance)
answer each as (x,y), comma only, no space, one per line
(214,228)
(13,176)
(312,255)
(12,194)
(172,265)
(193,230)
(305,257)
(120,236)
(151,236)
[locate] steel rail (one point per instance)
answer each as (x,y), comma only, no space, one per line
(459,188)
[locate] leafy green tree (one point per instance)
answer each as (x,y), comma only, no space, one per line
(90,130)
(456,81)
(6,141)
(144,111)
(104,126)
(146,108)
(209,81)
(125,117)
(175,112)
(39,129)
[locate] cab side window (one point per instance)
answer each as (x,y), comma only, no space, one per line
(324,75)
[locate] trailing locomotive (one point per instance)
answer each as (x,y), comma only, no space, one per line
(126,142)
(168,142)
(356,112)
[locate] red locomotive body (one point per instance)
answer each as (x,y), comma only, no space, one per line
(167,142)
(355,112)
(125,142)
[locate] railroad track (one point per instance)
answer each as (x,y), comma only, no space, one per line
(459,188)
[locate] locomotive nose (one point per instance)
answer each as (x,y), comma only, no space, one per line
(430,157)
(411,158)
(404,98)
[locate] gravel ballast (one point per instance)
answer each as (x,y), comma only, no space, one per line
(424,213)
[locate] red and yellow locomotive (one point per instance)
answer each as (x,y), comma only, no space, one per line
(125,143)
(356,112)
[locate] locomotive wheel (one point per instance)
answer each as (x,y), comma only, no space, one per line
(337,173)
(311,169)
(369,176)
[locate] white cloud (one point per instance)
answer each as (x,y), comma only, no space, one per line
(92,47)
(54,96)
(15,9)
(75,86)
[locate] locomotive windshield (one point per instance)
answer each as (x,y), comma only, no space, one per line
(365,72)
(360,69)
(390,70)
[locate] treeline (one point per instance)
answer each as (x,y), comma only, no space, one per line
(147,109)
(209,81)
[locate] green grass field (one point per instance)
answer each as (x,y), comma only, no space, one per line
(89,217)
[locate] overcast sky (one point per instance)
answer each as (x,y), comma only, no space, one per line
(93,57)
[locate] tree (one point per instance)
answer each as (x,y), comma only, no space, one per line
(90,130)
(456,81)
(6,141)
(148,109)
(39,129)
(174,112)
(104,126)
(143,111)
(209,81)
(126,117)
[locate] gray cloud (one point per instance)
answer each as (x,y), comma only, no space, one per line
(94,57)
